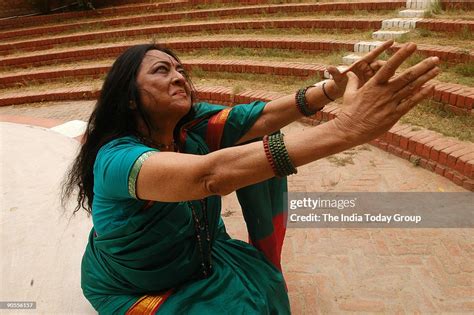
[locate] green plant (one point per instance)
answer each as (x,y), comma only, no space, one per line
(464,69)
(403,38)
(415,160)
(424,32)
(236,89)
(434,9)
(198,72)
(414,59)
(465,33)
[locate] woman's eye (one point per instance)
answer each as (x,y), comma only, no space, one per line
(161,69)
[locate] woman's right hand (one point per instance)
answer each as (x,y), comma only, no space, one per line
(371,110)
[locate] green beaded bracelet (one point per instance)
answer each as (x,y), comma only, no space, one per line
(283,164)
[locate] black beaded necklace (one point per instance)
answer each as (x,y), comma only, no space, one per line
(149,142)
(200,226)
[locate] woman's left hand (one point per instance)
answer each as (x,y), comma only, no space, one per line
(365,68)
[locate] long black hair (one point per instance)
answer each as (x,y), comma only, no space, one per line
(111,118)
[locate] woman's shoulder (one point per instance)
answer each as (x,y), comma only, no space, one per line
(203,108)
(126,140)
(121,143)
(129,146)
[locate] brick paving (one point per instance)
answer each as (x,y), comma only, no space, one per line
(399,271)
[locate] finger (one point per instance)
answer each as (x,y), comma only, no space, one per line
(412,73)
(352,83)
(405,106)
(388,70)
(334,72)
(410,88)
(376,65)
(371,56)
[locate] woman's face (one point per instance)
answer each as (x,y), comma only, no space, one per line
(164,91)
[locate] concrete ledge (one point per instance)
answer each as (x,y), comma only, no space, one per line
(410,13)
(386,35)
(408,23)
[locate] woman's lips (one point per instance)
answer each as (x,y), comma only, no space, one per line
(180,93)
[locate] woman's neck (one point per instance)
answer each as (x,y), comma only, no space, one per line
(158,137)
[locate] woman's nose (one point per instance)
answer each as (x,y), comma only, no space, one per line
(178,77)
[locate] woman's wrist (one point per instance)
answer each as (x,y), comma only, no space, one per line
(322,93)
(332,90)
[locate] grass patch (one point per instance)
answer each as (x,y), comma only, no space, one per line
(454,14)
(465,69)
(340,161)
(247,81)
(461,73)
(268,54)
(432,115)
(434,9)
(462,39)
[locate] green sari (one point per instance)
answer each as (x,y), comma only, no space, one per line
(143,257)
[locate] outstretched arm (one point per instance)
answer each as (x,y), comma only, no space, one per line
(368,112)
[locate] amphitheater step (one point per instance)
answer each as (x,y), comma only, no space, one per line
(365,47)
(419,4)
(150,30)
(409,13)
(139,9)
(446,53)
(409,23)
(350,59)
(459,98)
(71,129)
(386,35)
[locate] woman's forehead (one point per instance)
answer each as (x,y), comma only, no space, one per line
(153,56)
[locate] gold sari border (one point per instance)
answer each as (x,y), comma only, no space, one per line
(132,178)
(215,129)
(148,304)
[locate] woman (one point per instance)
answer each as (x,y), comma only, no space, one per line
(154,165)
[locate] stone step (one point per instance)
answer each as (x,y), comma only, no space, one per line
(386,35)
(409,13)
(350,59)
(365,47)
(399,23)
(419,4)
